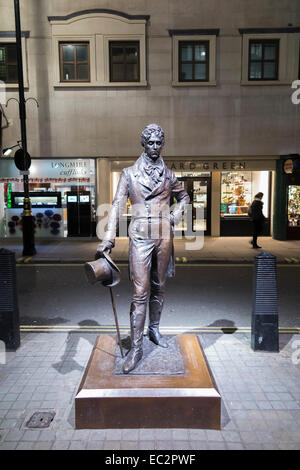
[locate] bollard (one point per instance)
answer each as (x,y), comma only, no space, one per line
(264,326)
(9,311)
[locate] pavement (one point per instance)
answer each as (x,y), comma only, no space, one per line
(260,390)
(260,398)
(206,250)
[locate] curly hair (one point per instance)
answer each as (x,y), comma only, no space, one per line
(152,129)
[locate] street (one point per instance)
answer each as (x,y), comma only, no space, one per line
(198,296)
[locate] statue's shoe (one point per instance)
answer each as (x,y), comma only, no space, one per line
(132,359)
(155,336)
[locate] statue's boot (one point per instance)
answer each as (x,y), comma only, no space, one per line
(155,308)
(137,322)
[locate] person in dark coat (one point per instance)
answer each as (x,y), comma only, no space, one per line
(149,185)
(258,218)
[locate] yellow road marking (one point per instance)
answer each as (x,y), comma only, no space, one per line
(170,329)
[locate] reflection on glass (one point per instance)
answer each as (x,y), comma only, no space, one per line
(200,71)
(200,52)
(270,52)
(82,71)
(187,52)
(81,53)
(269,70)
(68,53)
(256,51)
(255,70)
(187,71)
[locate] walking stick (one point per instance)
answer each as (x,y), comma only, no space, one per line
(116,321)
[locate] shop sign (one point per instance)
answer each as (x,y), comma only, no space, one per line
(52,170)
(216,165)
(220,165)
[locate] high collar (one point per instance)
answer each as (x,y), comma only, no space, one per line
(149,162)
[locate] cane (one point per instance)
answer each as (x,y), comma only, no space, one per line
(116,320)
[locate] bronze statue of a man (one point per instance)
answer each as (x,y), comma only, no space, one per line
(148,184)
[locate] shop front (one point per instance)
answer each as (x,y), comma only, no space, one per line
(223,188)
(62,194)
(287,198)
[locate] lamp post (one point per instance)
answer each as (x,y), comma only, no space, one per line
(27,219)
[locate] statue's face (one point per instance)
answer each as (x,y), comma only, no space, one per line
(153,146)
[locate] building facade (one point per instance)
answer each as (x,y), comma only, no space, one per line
(218,78)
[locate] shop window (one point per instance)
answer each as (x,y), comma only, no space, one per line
(124,61)
(294,206)
(193,61)
(8,63)
(263,59)
(238,190)
(74,62)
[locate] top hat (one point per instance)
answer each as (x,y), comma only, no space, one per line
(103,270)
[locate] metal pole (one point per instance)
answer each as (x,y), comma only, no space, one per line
(27,219)
(116,320)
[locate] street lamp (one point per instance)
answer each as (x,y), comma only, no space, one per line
(27,218)
(7,151)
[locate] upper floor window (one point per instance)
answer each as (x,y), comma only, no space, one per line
(193,61)
(263,59)
(8,63)
(74,62)
(124,61)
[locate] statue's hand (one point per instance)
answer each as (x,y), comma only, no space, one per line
(104,246)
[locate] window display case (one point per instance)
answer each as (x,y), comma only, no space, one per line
(238,189)
(236,193)
(294,206)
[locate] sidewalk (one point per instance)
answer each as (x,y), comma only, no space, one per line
(260,397)
(214,250)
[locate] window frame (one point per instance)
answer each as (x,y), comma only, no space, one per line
(212,39)
(263,43)
(9,44)
(5,39)
(62,62)
(99,27)
(193,62)
(124,44)
(287,66)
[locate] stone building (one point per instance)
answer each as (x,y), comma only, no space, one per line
(217,76)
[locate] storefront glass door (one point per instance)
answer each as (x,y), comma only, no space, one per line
(199,191)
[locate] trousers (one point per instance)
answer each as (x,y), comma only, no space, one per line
(149,260)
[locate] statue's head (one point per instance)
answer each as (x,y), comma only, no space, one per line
(153,139)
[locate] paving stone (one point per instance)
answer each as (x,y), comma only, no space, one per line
(216,446)
(112,445)
(95,445)
(97,435)
(197,435)
(147,445)
(198,445)
(129,445)
(25,446)
(77,445)
(43,445)
(61,445)
(180,434)
(8,445)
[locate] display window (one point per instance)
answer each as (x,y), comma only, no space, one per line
(294,206)
(50,184)
(238,190)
